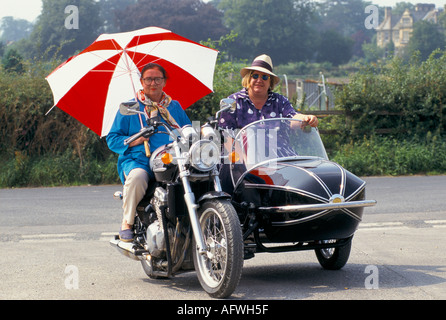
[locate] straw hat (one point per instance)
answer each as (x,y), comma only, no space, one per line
(263,64)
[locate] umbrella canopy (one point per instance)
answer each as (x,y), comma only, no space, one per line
(91,85)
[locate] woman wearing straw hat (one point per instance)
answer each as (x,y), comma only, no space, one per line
(257,101)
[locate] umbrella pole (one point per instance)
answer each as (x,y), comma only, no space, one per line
(146,143)
(50,110)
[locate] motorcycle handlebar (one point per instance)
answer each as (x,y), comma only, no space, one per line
(146,132)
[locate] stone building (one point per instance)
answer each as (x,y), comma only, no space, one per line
(397,29)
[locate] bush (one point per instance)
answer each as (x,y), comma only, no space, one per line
(407,99)
(388,156)
(61,170)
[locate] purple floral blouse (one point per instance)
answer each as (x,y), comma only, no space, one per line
(276,106)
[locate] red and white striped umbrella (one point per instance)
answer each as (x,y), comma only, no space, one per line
(91,85)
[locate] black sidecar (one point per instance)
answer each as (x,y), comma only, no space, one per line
(289,196)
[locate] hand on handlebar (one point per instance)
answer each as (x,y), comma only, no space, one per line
(311,120)
(307,120)
(138,141)
(140,137)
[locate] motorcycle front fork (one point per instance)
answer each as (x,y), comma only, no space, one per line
(192,207)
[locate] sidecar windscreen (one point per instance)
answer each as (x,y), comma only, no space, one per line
(261,144)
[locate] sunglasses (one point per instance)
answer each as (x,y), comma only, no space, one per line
(255,76)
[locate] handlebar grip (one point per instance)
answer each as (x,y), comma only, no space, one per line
(144,131)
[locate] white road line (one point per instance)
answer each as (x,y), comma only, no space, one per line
(48,235)
(54,237)
(109,233)
(384,228)
(434,221)
(106,236)
(380,224)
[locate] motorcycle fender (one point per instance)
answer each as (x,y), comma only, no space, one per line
(213,195)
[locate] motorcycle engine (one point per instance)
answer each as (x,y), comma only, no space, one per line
(155,232)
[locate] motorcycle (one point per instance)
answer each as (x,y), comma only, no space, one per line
(222,196)
(185,221)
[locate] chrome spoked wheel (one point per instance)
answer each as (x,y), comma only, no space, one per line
(219,269)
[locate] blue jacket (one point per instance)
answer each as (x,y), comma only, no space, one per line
(126,126)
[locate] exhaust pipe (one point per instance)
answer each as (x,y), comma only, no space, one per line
(129,249)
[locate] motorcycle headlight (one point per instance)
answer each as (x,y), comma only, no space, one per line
(189,134)
(208,133)
(204,155)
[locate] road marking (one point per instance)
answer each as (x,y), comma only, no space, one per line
(397,225)
(434,221)
(50,237)
(380,224)
(107,236)
(384,228)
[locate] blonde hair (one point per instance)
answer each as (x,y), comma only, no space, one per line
(246,81)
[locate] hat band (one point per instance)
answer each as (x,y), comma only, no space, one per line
(263,64)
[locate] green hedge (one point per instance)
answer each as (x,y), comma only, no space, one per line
(406,98)
(375,156)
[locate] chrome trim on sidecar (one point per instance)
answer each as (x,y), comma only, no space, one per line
(318,207)
(325,207)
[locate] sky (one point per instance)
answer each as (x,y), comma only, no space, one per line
(21,9)
(30,9)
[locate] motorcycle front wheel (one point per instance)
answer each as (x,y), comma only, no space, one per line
(220,268)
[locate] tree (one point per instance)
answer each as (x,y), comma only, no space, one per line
(12,61)
(400,7)
(425,38)
(334,48)
(2,48)
(372,52)
(70,25)
(107,13)
(346,17)
(277,28)
(14,29)
(192,19)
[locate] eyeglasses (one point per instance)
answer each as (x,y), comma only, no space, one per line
(148,81)
(255,76)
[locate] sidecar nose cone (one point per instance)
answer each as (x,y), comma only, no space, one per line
(336,198)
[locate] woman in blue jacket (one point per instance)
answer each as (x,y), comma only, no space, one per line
(133,164)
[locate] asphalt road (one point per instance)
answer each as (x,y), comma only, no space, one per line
(54,245)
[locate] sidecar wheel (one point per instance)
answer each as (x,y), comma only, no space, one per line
(220,269)
(334,258)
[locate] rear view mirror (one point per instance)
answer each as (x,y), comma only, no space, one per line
(129,108)
(227,103)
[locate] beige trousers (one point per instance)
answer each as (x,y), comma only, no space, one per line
(134,189)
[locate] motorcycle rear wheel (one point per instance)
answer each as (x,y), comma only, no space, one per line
(219,270)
